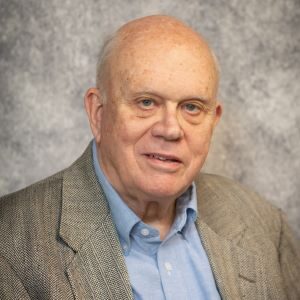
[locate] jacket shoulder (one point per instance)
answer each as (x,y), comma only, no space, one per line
(234,193)
(25,196)
(28,215)
(256,212)
(43,189)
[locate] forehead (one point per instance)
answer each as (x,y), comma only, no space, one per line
(178,62)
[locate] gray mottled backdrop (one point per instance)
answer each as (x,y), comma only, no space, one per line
(48,53)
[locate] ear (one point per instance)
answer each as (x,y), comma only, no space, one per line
(218,113)
(94,106)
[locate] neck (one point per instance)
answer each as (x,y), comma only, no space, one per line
(154,213)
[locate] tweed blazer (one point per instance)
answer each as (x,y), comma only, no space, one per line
(58,241)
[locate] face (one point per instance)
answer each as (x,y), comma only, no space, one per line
(157,122)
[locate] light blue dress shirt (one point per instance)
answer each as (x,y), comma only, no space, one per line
(176,268)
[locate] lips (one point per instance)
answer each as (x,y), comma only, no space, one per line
(163,157)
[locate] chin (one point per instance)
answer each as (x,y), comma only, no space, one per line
(164,190)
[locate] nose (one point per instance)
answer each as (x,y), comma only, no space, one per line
(168,126)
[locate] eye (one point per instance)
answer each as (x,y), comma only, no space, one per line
(191,108)
(146,103)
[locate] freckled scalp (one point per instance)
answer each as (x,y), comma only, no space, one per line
(151,34)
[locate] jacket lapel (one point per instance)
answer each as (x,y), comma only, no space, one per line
(238,271)
(98,269)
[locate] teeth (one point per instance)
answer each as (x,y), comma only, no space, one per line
(159,157)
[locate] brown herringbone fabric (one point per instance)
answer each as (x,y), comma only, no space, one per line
(58,241)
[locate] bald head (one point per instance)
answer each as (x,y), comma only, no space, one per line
(158,35)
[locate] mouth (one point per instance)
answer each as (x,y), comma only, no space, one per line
(163,158)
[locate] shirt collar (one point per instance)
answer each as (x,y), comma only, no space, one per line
(186,210)
(125,219)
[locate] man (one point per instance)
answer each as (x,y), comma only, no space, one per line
(131,218)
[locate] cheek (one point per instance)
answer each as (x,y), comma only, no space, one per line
(133,130)
(199,141)
(123,132)
(112,122)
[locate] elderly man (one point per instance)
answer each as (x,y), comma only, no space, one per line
(131,218)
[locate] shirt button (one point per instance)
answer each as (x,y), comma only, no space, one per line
(145,232)
(125,249)
(168,267)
